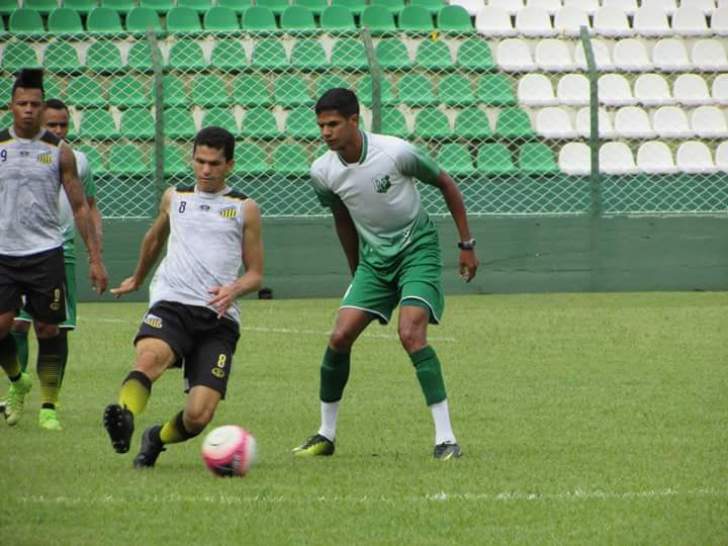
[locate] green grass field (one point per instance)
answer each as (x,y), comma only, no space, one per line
(585,419)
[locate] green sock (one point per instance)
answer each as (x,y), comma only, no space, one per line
(9,357)
(51,352)
(334,375)
(174,431)
(135,391)
(21,342)
(429,374)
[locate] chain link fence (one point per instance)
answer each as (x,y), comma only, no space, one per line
(512,120)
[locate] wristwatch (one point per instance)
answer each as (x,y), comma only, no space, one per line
(466,245)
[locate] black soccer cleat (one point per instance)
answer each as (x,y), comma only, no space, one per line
(447,451)
(151,448)
(119,423)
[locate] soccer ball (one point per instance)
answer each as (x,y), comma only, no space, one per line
(229,451)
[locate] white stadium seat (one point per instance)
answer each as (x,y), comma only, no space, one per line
(719,89)
(511,7)
(708,122)
(589,6)
(721,156)
(671,122)
(706,6)
(535,90)
(570,19)
(551,6)
(602,58)
(632,122)
(668,6)
(583,123)
(534,22)
(575,159)
(651,21)
(573,90)
(626,6)
(719,21)
(691,90)
(616,158)
(655,157)
(709,55)
(694,157)
(555,122)
(652,90)
(471,6)
(513,55)
(553,55)
(689,21)
(611,22)
(494,21)
(670,55)
(614,90)
(630,55)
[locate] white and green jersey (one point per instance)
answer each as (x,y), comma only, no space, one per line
(68,225)
(380,193)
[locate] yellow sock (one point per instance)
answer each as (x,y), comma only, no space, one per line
(135,392)
(174,431)
(52,353)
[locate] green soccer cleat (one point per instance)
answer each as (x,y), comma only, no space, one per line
(48,419)
(151,448)
(447,451)
(15,399)
(119,423)
(315,446)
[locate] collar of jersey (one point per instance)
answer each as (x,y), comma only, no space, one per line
(208,195)
(364,150)
(22,139)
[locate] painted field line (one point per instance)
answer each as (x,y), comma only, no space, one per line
(578,495)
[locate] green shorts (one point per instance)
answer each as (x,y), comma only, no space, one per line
(416,280)
(70,322)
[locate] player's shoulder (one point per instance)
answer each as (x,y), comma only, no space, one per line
(388,144)
(182,190)
(5,136)
(322,164)
(235,195)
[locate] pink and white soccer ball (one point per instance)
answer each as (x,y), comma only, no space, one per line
(229,450)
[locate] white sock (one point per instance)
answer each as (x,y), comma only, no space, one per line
(443,428)
(329,410)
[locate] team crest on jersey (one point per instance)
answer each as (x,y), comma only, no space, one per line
(153,320)
(382,184)
(45,158)
(228,212)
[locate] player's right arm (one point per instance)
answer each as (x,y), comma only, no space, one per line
(152,245)
(346,230)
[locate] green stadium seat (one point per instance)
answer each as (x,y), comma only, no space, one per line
(52,86)
(331,81)
(432,5)
(81,6)
(238,6)
(181,20)
(456,90)
(61,57)
(364,92)
(139,20)
(175,93)
(221,19)
(337,19)
(455,159)
(354,6)
(301,124)
(495,90)
(392,54)
(127,91)
(228,54)
(104,58)
(276,6)
(122,6)
(17,55)
(8,6)
(6,119)
(178,123)
(6,89)
(298,19)
(378,19)
(416,90)
(96,124)
(454,19)
(44,7)
(415,19)
(128,160)
(251,90)
(95,159)
(65,21)
(85,91)
(104,20)
(259,19)
(261,124)
(26,21)
(250,158)
(433,55)
(431,123)
(537,158)
(291,159)
(393,123)
(186,55)
(176,159)
(269,54)
(349,54)
(220,117)
(513,122)
(308,55)
(201,6)
(316,6)
(160,6)
(494,159)
(474,54)
(472,124)
(291,90)
(140,56)
(137,124)
(209,90)
(394,6)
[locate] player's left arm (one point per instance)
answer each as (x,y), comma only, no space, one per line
(74,192)
(252,253)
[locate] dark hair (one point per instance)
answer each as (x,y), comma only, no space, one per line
(341,100)
(218,138)
(29,78)
(56,104)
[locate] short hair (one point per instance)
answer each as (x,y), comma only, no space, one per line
(28,78)
(56,104)
(217,138)
(341,100)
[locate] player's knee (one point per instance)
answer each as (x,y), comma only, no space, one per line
(412,338)
(44,330)
(150,364)
(21,326)
(197,418)
(341,340)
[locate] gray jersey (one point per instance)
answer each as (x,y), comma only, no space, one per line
(30,180)
(204,248)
